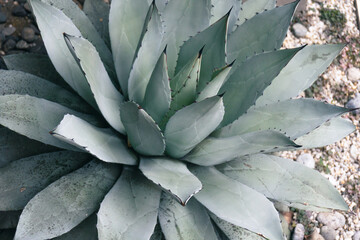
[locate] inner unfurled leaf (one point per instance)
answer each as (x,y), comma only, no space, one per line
(130,209)
(192,124)
(143,133)
(173,176)
(103,143)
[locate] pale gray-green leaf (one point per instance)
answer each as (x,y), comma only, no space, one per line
(295,117)
(221,7)
(211,42)
(172,175)
(194,17)
(190,222)
(248,81)
(126,22)
(213,151)
(328,133)
(37,64)
(234,232)
(192,124)
(143,133)
(300,73)
(213,87)
(100,142)
(107,97)
(285,181)
(252,7)
(158,94)
(161,4)
(67,202)
(35,118)
(14,146)
(16,82)
(85,230)
(21,180)
(237,203)
(146,58)
(264,32)
(130,209)
(52,24)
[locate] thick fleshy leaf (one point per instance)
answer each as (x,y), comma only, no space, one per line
(21,180)
(220,7)
(126,22)
(161,4)
(285,181)
(250,8)
(213,87)
(334,130)
(158,94)
(107,97)
(194,17)
(85,230)
(190,222)
(16,82)
(53,23)
(294,117)
(264,32)
(9,219)
(146,59)
(234,232)
(130,209)
(67,202)
(98,13)
(214,151)
(248,81)
(37,64)
(142,132)
(14,146)
(100,142)
(35,117)
(300,73)
(87,29)
(237,203)
(192,124)
(172,175)
(211,42)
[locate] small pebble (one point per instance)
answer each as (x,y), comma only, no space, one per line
(354,152)
(356,236)
(9,45)
(332,220)
(328,233)
(27,7)
(22,45)
(8,30)
(299,232)
(353,74)
(28,34)
(3,17)
(307,160)
(299,30)
(316,235)
(19,11)
(354,103)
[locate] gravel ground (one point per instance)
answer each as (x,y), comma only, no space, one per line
(338,162)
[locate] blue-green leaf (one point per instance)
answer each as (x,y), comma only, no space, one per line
(85,230)
(250,8)
(220,7)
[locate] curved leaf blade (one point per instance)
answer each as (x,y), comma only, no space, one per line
(130,209)
(213,151)
(190,222)
(250,8)
(21,180)
(285,181)
(102,143)
(143,133)
(172,175)
(220,7)
(237,203)
(67,202)
(107,97)
(192,124)
(85,230)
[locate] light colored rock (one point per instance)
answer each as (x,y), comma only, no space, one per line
(328,233)
(307,160)
(300,30)
(353,74)
(354,103)
(354,152)
(299,232)
(316,235)
(332,220)
(356,236)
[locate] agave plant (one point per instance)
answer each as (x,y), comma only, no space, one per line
(169,134)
